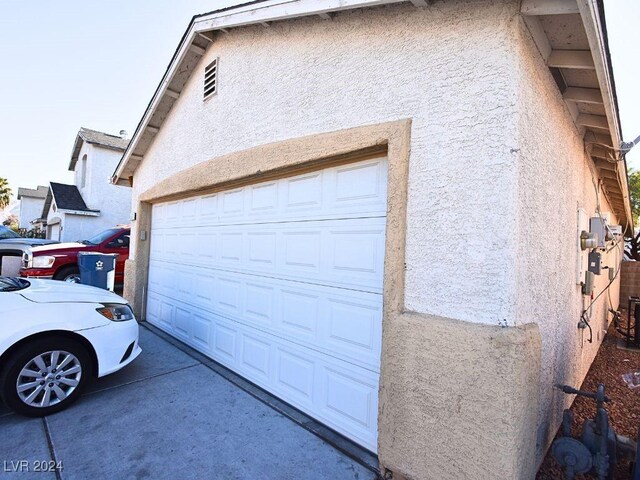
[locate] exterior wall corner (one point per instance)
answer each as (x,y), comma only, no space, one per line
(448,387)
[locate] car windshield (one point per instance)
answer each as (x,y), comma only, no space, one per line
(11,284)
(101,237)
(6,232)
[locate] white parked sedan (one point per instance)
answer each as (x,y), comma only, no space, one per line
(55,336)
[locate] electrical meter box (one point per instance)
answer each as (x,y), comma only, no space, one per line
(595,262)
(598,226)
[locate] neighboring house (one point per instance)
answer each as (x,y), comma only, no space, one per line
(374,213)
(31,204)
(91,204)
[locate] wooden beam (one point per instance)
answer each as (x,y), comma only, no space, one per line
(205,37)
(599,152)
(265,24)
(604,165)
(153,129)
(548,7)
(196,49)
(172,93)
(224,30)
(325,16)
(593,121)
(420,3)
(609,175)
(584,95)
(539,35)
(580,59)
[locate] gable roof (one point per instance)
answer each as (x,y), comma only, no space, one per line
(94,137)
(66,197)
(40,192)
(200,33)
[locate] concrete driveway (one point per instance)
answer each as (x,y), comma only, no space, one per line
(170,415)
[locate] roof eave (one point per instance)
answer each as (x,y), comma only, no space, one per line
(592,14)
(75,153)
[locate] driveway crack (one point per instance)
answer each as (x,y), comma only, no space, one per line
(52,450)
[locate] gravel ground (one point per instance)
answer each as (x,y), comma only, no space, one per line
(624,409)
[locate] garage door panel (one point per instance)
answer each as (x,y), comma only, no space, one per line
(346,191)
(259,303)
(281,281)
(294,375)
(201,332)
(345,253)
(346,325)
(256,355)
(225,341)
(359,184)
(350,397)
(300,312)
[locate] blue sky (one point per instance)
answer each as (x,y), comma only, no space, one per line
(67,64)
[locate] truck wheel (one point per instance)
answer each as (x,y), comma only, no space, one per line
(68,274)
(45,376)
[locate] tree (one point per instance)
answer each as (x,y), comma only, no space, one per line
(11,222)
(632,248)
(5,192)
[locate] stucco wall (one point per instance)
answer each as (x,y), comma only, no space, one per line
(81,227)
(446,67)
(113,201)
(553,180)
(30,209)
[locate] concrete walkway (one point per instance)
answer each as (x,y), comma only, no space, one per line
(168,415)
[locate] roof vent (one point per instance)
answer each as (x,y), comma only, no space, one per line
(124,134)
(211,79)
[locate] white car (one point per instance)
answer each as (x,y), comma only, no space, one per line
(56,336)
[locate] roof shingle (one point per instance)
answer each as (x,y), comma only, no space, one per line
(40,192)
(67,197)
(104,140)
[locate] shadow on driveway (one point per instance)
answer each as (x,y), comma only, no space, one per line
(169,416)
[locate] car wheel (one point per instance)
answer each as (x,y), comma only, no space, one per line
(45,376)
(68,274)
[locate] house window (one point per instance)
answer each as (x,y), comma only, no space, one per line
(211,79)
(83,171)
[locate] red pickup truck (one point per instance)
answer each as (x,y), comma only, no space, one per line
(60,261)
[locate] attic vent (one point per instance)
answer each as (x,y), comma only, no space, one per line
(211,79)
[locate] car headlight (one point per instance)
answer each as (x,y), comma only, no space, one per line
(116,312)
(45,261)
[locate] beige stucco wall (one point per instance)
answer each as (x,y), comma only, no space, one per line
(553,181)
(481,317)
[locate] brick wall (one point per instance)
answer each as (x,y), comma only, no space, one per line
(629,282)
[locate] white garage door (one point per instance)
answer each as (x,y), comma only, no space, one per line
(281,281)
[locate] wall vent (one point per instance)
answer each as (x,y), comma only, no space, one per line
(211,79)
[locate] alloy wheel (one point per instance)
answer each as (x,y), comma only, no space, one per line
(48,378)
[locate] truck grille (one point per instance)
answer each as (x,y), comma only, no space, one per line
(25,260)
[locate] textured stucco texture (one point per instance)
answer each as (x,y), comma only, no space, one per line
(471,404)
(482,307)
(30,209)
